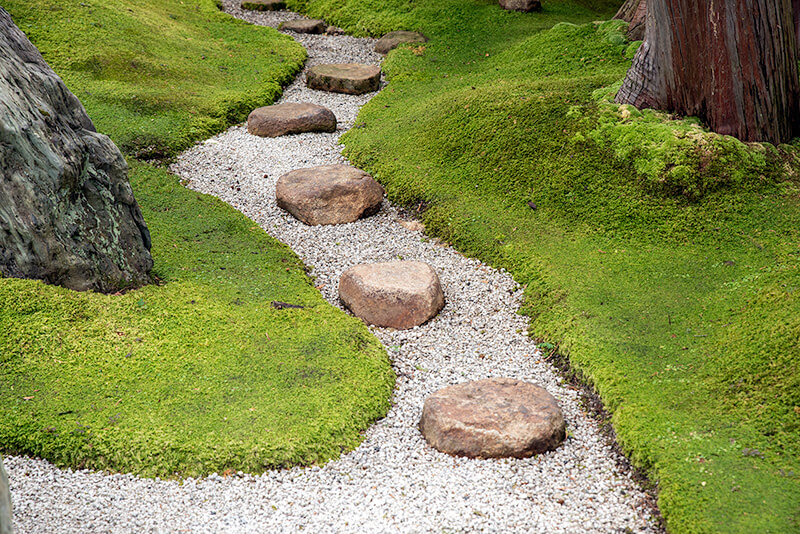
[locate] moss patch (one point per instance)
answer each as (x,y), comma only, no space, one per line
(157,76)
(198,375)
(673,290)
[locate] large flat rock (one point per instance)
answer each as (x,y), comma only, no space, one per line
(400,294)
(263,5)
(67,211)
(290,118)
(328,194)
(304,26)
(493,418)
(350,78)
(392,40)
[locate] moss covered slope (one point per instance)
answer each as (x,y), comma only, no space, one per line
(201,373)
(661,260)
(157,76)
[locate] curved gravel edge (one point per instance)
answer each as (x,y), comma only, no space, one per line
(393,482)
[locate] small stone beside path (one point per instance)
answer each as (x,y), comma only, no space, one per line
(521,5)
(304,26)
(493,418)
(263,5)
(328,194)
(350,78)
(399,294)
(392,40)
(290,118)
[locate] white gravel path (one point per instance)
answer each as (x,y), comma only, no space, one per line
(393,482)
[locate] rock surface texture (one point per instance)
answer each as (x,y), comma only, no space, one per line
(304,26)
(392,40)
(493,418)
(263,5)
(290,118)
(521,5)
(67,211)
(5,502)
(329,194)
(350,78)
(399,294)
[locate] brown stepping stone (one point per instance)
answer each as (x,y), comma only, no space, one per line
(350,78)
(493,418)
(400,294)
(304,26)
(290,118)
(391,40)
(328,194)
(521,5)
(263,5)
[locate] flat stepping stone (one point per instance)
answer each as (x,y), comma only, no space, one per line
(521,5)
(263,5)
(392,40)
(493,418)
(350,78)
(329,194)
(399,294)
(304,26)
(290,118)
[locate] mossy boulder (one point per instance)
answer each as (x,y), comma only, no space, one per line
(67,211)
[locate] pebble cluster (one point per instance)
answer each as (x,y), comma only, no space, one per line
(393,482)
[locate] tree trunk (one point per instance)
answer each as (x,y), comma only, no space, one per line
(729,62)
(796,9)
(634,12)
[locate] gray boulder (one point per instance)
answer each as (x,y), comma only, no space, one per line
(67,211)
(5,502)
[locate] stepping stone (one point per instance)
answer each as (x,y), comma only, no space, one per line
(290,118)
(400,294)
(329,194)
(493,418)
(304,26)
(521,5)
(350,78)
(391,40)
(263,5)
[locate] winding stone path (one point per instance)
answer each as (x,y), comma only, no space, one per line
(394,481)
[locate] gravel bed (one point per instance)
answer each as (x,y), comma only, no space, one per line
(393,482)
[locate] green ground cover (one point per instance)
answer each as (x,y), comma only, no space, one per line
(199,373)
(157,76)
(661,260)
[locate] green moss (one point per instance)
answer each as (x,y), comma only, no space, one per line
(198,375)
(660,258)
(157,76)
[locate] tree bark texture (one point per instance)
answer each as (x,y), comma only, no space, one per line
(732,63)
(634,12)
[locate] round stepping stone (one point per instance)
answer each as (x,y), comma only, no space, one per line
(521,5)
(400,294)
(263,5)
(492,418)
(304,26)
(391,40)
(290,118)
(328,194)
(350,78)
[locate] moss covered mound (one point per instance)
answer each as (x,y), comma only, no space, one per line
(661,259)
(156,76)
(201,373)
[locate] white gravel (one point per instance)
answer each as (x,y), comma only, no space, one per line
(393,482)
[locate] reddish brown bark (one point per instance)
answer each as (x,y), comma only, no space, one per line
(729,62)
(634,12)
